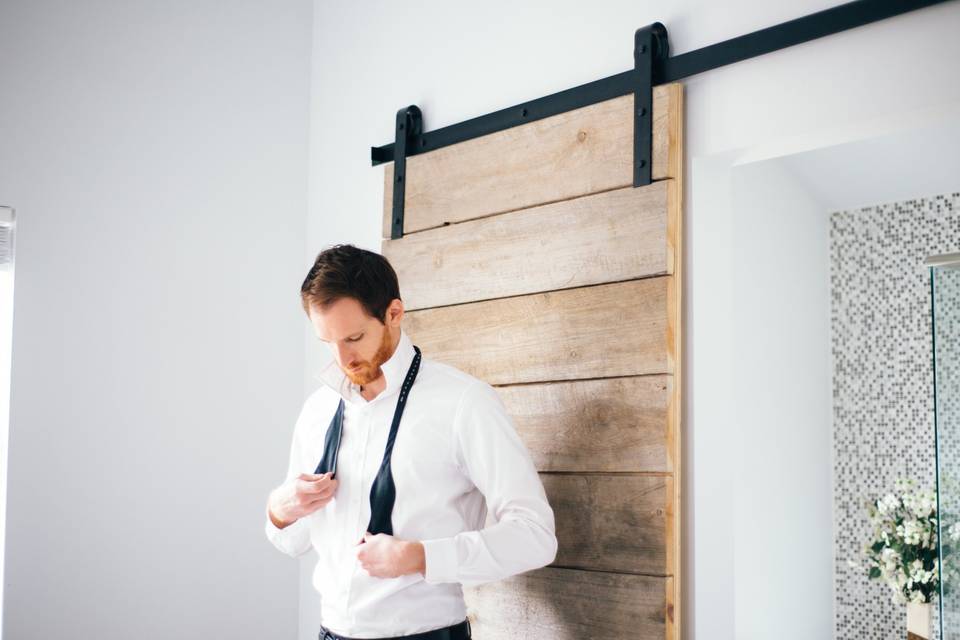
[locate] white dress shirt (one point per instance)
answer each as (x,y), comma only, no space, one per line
(455,446)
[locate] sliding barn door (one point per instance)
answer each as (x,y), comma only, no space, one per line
(529,260)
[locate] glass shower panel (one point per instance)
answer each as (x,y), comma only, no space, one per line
(945,299)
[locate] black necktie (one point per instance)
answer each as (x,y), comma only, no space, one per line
(383,493)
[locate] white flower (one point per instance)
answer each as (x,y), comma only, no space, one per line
(921,503)
(917,574)
(888,504)
(911,531)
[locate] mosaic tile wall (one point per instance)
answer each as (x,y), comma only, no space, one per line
(883,383)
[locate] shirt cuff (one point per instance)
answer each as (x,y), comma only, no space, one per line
(440,558)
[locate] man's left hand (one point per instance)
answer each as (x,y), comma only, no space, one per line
(384,556)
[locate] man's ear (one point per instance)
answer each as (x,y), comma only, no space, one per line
(395,312)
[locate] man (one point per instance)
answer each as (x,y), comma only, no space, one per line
(413,448)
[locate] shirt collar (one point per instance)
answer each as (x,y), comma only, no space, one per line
(394,370)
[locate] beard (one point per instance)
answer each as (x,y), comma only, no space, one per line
(368,371)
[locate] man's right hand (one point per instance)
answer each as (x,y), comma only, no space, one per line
(300,497)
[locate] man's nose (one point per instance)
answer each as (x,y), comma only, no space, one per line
(345,354)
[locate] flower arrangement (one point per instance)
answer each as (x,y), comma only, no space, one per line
(903,552)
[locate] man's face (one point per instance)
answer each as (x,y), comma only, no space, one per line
(359,342)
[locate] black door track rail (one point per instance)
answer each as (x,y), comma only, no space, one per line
(652,66)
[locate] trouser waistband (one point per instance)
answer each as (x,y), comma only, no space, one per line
(459,631)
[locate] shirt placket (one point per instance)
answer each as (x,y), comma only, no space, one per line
(359,525)
(364,414)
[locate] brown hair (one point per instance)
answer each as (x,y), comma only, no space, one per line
(346,271)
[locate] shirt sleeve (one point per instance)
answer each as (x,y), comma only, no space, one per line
(294,539)
(491,453)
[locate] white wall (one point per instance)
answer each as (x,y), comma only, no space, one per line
(782,500)
(8,230)
(457,61)
(156,154)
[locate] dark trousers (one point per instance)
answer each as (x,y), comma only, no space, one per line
(460,631)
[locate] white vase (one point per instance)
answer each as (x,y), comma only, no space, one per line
(919,617)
